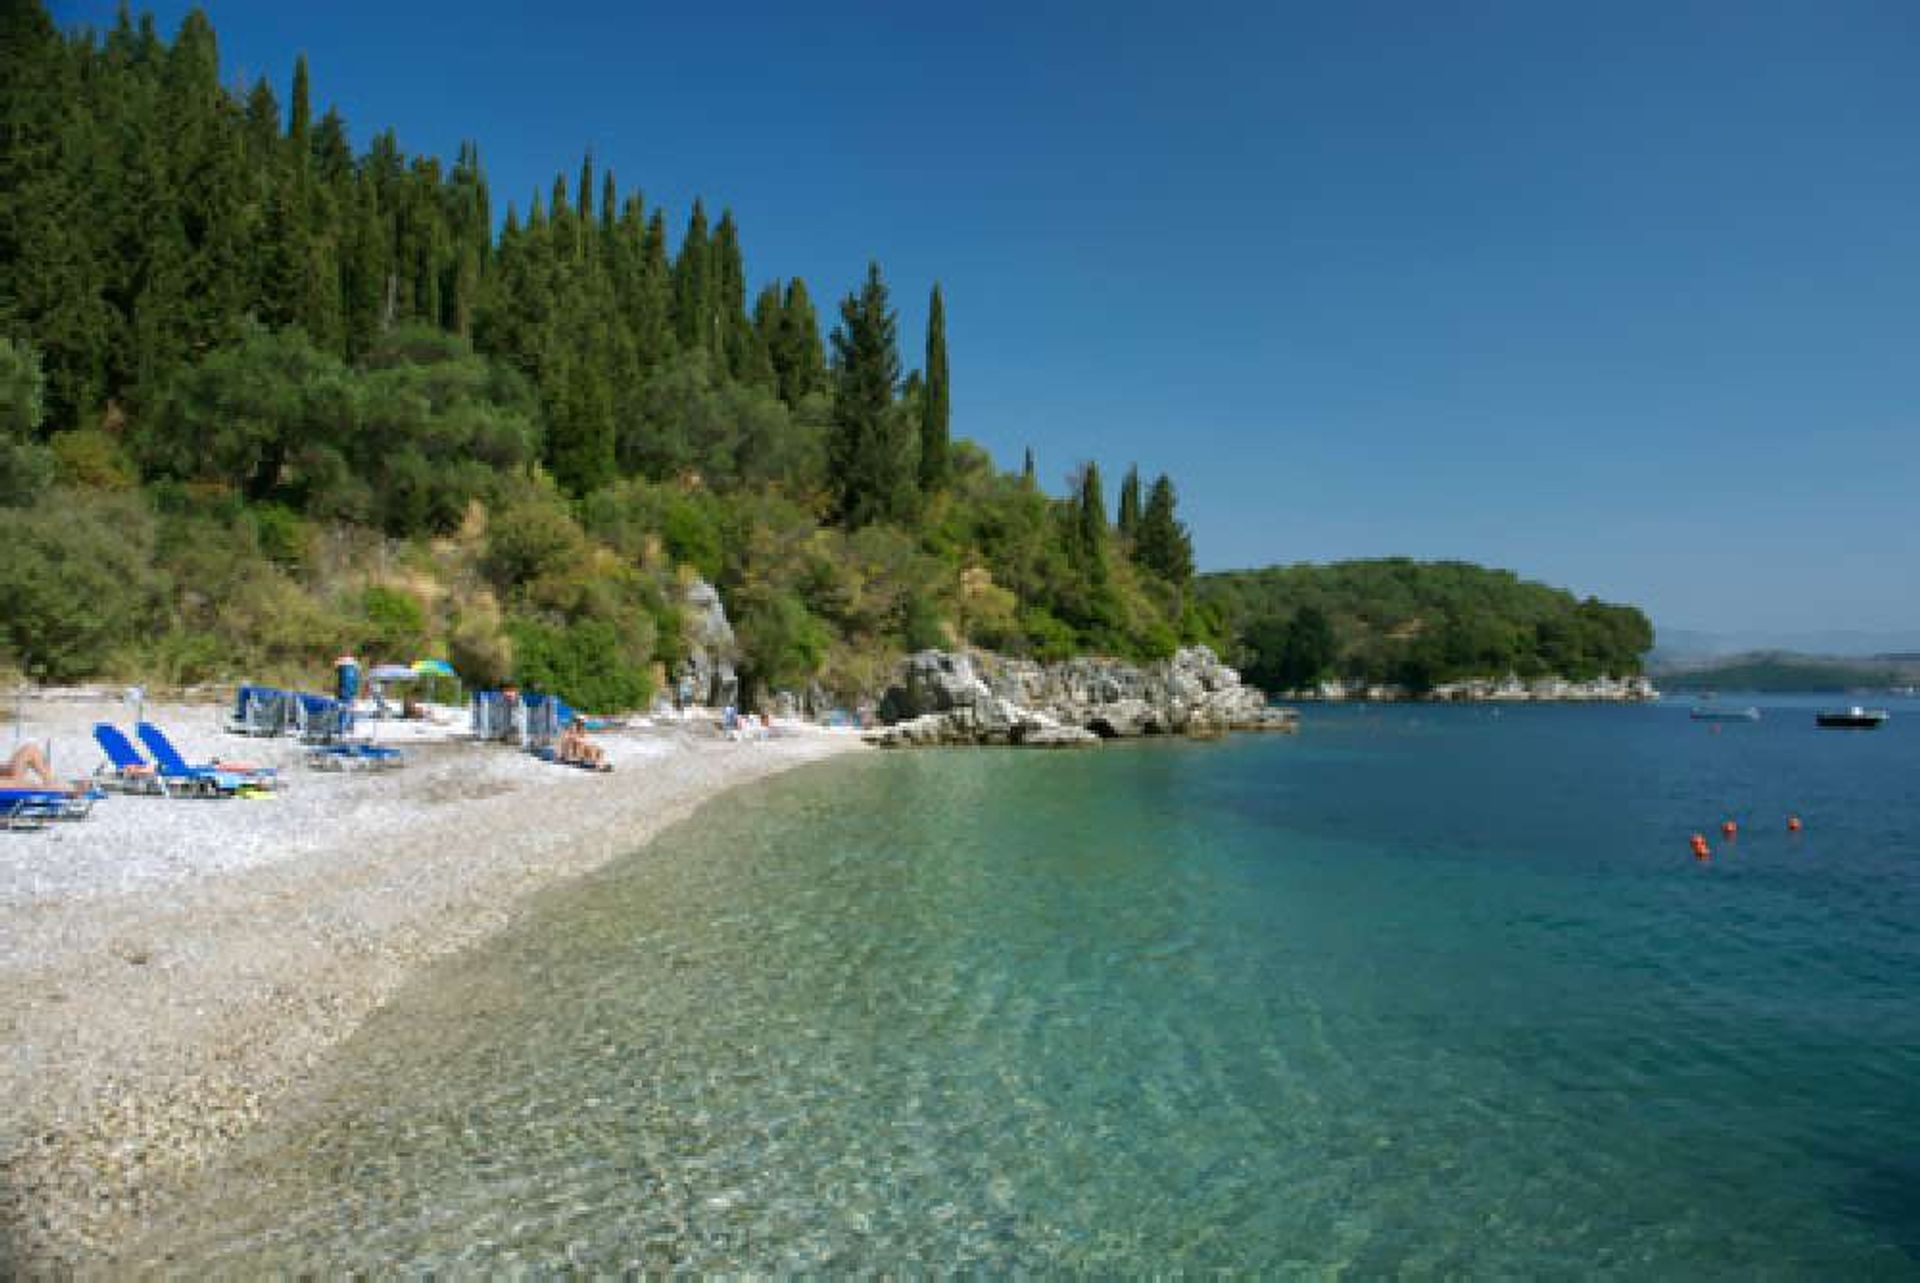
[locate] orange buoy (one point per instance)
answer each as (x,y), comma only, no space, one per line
(1729,828)
(1793,824)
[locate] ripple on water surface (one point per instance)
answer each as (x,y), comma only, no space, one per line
(1416,991)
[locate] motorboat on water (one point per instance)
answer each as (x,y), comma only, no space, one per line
(1853,719)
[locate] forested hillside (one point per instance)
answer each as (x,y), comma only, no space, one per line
(266,394)
(1783,671)
(1417,624)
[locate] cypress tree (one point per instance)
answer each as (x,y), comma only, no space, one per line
(769,328)
(1090,524)
(209,175)
(332,154)
(650,315)
(300,116)
(1129,522)
(583,232)
(736,339)
(799,358)
(263,125)
(1027,473)
(934,452)
(566,244)
(870,469)
(692,284)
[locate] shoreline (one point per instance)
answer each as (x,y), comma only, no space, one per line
(171,969)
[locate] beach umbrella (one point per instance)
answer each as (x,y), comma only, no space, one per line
(433,671)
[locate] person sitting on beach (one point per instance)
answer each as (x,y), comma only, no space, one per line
(574,747)
(29,765)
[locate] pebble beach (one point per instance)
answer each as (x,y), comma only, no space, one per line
(170,968)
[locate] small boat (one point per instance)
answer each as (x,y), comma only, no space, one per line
(1854,719)
(1747,714)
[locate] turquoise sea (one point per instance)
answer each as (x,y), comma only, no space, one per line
(1424,990)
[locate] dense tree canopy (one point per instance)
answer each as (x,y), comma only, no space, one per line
(313,381)
(263,396)
(1418,623)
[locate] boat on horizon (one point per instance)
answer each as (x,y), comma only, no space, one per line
(1747,714)
(1855,718)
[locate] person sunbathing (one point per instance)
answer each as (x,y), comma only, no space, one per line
(28,766)
(575,747)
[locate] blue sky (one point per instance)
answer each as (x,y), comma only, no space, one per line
(1625,297)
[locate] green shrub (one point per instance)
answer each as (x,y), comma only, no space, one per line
(282,535)
(396,624)
(781,644)
(923,628)
(531,537)
(26,468)
(182,657)
(90,459)
(78,583)
(587,664)
(1047,638)
(479,647)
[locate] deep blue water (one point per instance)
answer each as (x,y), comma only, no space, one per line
(1423,989)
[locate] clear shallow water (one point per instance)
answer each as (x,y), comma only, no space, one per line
(1424,989)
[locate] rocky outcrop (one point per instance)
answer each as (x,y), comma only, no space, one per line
(1509,689)
(706,675)
(942,699)
(948,698)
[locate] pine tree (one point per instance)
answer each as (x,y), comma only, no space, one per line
(934,447)
(1129,523)
(870,470)
(1164,544)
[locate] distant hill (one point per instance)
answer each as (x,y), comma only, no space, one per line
(1416,624)
(1672,642)
(1786,671)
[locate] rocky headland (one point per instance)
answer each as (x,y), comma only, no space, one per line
(1490,690)
(978,698)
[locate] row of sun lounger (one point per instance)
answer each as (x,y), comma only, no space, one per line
(320,720)
(265,710)
(169,772)
(164,770)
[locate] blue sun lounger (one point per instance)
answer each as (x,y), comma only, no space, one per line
(261,710)
(353,756)
(36,808)
(136,772)
(173,766)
